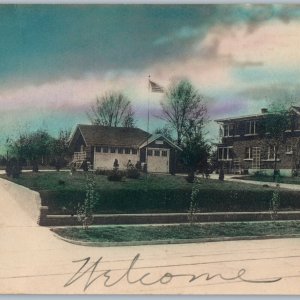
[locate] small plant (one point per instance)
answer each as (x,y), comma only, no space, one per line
(13,168)
(194,203)
(35,166)
(85,211)
(221,173)
(275,203)
(190,178)
(132,172)
(115,174)
(61,182)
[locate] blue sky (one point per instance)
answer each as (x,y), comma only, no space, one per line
(56,59)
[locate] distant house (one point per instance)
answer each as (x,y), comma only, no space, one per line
(245,150)
(101,146)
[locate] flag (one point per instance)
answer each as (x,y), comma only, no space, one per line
(155,88)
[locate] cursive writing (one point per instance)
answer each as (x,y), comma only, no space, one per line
(91,272)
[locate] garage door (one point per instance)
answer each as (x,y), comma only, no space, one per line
(158,160)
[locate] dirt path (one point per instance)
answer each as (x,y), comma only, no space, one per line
(32,260)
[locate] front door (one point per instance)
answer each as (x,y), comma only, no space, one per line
(158,160)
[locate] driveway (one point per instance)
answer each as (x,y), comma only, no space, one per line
(33,260)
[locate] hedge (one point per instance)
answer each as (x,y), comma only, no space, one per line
(168,200)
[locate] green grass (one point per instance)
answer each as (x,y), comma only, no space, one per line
(151,194)
(50,181)
(279,179)
(178,232)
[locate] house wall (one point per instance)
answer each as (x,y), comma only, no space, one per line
(159,162)
(106,160)
(286,161)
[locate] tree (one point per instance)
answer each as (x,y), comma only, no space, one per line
(113,110)
(32,147)
(273,128)
(195,153)
(182,107)
(165,131)
(59,148)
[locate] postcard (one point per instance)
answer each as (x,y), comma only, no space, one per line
(150,149)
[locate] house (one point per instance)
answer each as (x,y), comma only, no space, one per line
(102,145)
(243,149)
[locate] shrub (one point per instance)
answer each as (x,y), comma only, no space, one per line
(194,203)
(275,203)
(221,174)
(35,166)
(115,174)
(133,173)
(190,178)
(85,166)
(61,182)
(13,168)
(86,209)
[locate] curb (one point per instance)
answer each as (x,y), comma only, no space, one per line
(174,241)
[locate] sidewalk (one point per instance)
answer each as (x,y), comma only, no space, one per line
(294,187)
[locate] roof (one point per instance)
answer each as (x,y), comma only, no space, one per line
(112,136)
(157,136)
(293,108)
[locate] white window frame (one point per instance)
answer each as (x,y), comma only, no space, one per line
(269,153)
(251,128)
(227,128)
(223,152)
(289,149)
(249,153)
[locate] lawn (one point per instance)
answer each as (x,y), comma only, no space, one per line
(178,232)
(265,178)
(63,192)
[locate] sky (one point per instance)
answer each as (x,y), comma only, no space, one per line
(55,60)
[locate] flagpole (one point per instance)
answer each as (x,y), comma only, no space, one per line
(148,121)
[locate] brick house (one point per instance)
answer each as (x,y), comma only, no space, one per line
(101,145)
(243,149)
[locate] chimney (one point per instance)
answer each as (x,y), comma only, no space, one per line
(264,110)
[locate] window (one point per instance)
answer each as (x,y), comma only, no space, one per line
(127,150)
(120,150)
(134,151)
(98,149)
(156,152)
(150,152)
(228,129)
(105,149)
(251,127)
(224,153)
(248,153)
(164,153)
(289,149)
(159,142)
(271,153)
(112,150)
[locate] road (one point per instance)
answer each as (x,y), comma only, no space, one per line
(33,260)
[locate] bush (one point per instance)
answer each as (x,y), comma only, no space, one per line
(85,166)
(13,168)
(115,175)
(133,173)
(190,178)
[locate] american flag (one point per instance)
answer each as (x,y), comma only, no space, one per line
(155,88)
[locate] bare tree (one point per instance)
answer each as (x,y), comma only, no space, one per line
(113,110)
(183,108)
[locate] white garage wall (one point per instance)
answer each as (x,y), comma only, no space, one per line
(106,160)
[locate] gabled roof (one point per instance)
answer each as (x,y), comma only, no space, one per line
(154,137)
(94,135)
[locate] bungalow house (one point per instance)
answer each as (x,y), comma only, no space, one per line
(101,146)
(243,149)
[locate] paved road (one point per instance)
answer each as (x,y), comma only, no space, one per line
(32,260)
